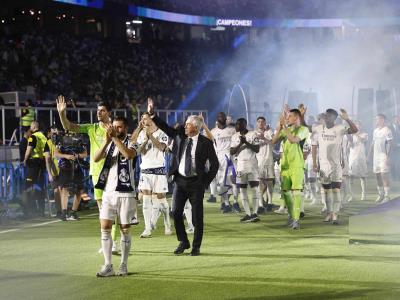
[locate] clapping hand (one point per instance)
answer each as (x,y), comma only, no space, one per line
(110,132)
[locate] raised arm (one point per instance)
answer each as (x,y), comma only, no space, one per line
(353,128)
(160,123)
(62,112)
(209,135)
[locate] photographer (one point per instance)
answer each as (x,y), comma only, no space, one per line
(70,151)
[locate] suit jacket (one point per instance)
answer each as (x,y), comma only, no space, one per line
(396,135)
(204,151)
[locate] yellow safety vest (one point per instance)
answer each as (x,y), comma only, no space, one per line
(28,118)
(41,141)
(56,170)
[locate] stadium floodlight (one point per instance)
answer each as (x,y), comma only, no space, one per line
(128,23)
(137,21)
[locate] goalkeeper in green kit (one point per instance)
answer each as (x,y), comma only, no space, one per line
(292,135)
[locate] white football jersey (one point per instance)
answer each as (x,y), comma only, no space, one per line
(153,158)
(222,139)
(380,138)
(329,142)
(246,157)
(112,179)
(265,156)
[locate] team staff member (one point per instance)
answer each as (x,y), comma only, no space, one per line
(191,151)
(35,163)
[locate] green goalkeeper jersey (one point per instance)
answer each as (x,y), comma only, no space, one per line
(292,153)
(96,135)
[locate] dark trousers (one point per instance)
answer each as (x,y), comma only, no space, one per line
(192,189)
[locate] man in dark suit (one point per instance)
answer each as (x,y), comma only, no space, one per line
(190,151)
(395,153)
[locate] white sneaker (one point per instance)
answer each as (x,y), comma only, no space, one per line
(123,270)
(328,218)
(349,198)
(106,271)
(281,211)
(335,220)
(100,251)
(385,199)
(114,249)
(379,199)
(145,234)
(362,197)
(190,230)
(168,231)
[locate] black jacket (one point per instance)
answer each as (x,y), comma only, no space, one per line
(204,151)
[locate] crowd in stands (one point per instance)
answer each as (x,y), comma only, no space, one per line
(94,69)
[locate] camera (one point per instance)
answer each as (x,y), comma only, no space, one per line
(71,143)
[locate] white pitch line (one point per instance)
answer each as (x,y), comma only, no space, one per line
(39,224)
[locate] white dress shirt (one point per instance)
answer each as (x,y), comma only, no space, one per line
(181,168)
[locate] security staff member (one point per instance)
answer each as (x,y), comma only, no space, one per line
(35,163)
(27,115)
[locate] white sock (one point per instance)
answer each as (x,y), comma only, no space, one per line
(164,206)
(156,209)
(213,188)
(386,190)
(328,199)
(188,213)
(256,197)
(323,197)
(269,191)
(262,199)
(349,187)
(106,245)
(380,190)
(362,181)
(302,205)
(245,200)
(225,199)
(235,192)
(147,212)
(337,200)
(125,244)
(313,189)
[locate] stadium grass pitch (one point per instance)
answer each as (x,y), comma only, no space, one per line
(264,260)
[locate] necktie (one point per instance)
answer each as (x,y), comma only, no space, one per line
(188,158)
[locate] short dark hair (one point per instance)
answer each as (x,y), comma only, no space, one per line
(241,120)
(260,118)
(121,119)
(105,104)
(382,116)
(295,111)
(332,111)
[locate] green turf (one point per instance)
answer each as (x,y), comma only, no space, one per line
(239,261)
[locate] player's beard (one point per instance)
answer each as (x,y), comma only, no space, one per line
(121,136)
